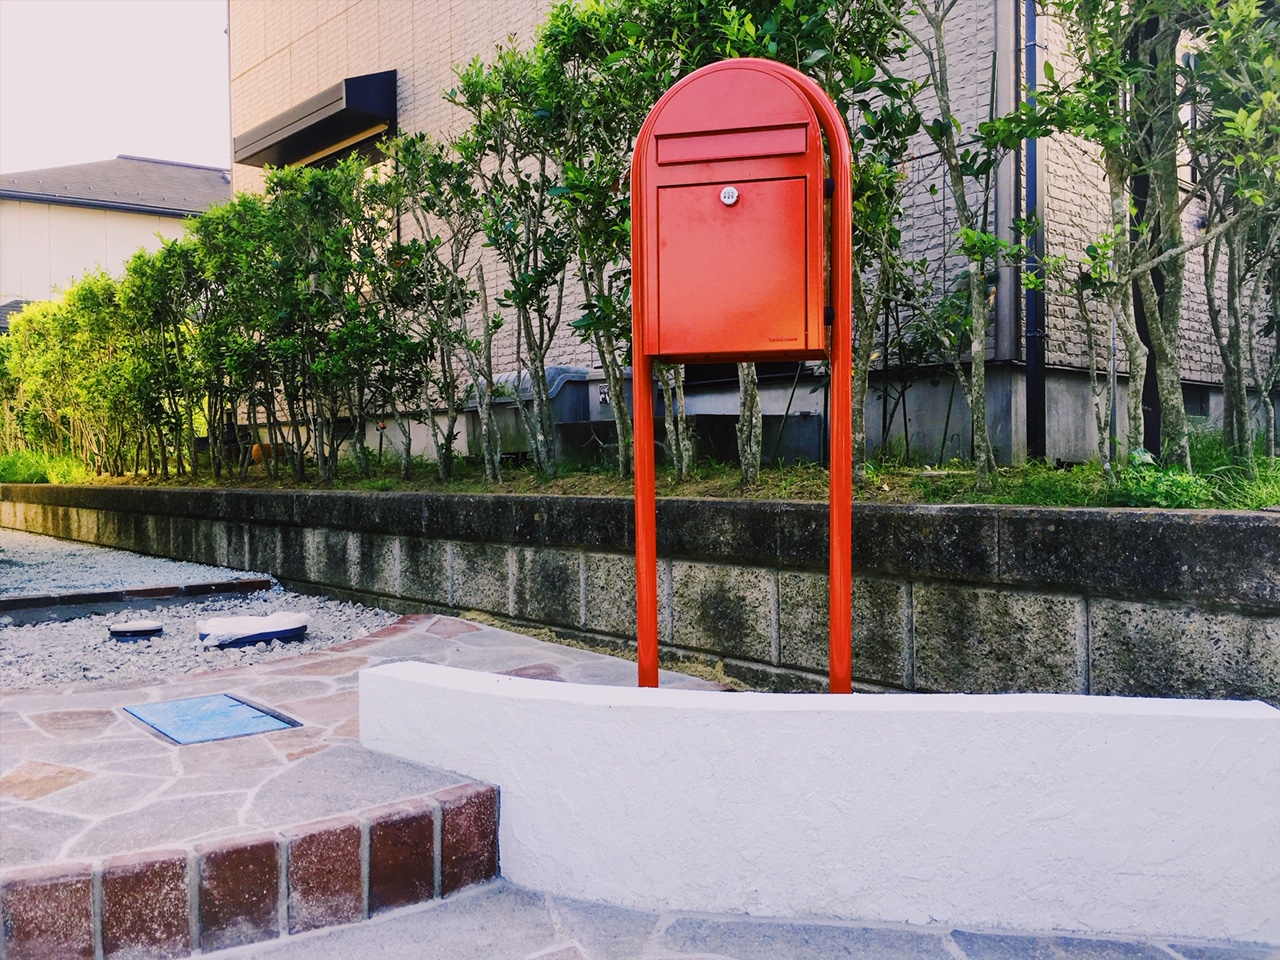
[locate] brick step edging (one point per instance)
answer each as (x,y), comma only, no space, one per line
(169,903)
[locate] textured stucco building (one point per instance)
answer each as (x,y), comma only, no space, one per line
(59,223)
(294,63)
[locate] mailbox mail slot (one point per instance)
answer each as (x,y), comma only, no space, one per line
(735,232)
(733,146)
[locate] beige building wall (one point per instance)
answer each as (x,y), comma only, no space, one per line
(1075,203)
(44,246)
(283,51)
(930,226)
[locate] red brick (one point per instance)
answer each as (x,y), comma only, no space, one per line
(401,855)
(239,892)
(468,836)
(145,906)
(325,878)
(47,913)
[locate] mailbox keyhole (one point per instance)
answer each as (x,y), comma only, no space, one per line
(729,196)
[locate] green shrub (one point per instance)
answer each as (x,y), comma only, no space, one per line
(1143,484)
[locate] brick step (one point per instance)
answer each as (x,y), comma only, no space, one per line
(169,903)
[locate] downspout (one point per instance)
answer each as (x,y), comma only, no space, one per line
(1034,307)
(1007,432)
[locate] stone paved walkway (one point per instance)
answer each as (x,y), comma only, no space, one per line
(80,779)
(501,921)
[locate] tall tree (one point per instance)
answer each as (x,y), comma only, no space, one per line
(516,146)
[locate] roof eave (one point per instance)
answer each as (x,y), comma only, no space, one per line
(119,206)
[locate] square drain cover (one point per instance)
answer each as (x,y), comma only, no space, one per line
(203,719)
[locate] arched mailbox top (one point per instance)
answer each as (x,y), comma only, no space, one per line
(730,97)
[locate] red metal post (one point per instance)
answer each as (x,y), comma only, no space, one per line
(841,401)
(646,514)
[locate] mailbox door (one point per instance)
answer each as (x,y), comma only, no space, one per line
(732,268)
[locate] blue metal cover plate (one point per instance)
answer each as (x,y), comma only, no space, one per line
(204,719)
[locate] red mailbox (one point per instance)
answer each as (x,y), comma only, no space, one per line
(730,249)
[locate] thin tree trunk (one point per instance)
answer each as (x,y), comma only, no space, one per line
(750,424)
(666,379)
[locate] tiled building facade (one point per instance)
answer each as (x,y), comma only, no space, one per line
(285,51)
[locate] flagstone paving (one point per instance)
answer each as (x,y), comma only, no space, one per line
(81,779)
(501,921)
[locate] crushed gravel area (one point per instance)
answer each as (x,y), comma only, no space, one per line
(39,650)
(80,651)
(32,564)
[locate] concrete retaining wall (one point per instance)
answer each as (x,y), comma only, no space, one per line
(979,599)
(1100,815)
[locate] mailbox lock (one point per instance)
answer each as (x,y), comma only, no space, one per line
(729,196)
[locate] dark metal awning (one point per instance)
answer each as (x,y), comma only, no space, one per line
(349,117)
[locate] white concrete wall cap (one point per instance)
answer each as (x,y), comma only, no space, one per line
(747,702)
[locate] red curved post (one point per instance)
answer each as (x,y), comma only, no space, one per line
(642,442)
(646,519)
(841,402)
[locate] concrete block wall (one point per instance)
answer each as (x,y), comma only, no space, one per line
(982,599)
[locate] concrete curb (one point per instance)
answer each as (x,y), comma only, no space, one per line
(30,600)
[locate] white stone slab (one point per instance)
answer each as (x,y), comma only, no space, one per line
(1027,811)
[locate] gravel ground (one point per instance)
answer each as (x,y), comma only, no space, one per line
(31,564)
(81,652)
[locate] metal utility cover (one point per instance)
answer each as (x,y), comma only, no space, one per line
(204,719)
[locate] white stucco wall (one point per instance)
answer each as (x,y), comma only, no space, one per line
(1027,811)
(45,246)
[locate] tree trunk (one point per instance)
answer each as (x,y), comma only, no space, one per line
(1157,106)
(616,380)
(864,335)
(750,424)
(1164,347)
(683,432)
(480,369)
(666,380)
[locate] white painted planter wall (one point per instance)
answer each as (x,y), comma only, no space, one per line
(1033,812)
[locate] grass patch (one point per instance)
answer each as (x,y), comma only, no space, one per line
(1215,482)
(28,466)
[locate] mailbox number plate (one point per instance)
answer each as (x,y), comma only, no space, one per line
(732,276)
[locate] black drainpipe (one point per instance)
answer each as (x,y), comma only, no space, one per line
(1033,310)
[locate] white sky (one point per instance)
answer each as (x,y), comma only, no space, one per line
(85,80)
